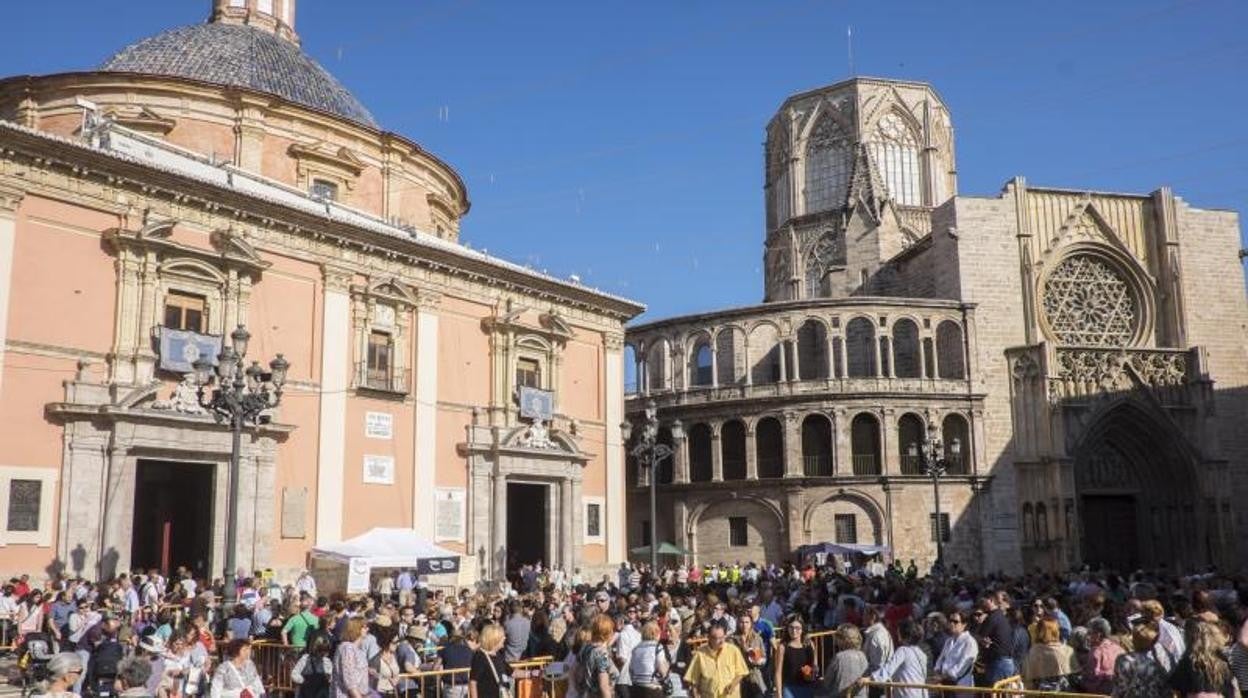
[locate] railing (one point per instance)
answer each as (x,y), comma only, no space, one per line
(866,464)
(705,394)
(1006,688)
(817,466)
(529,680)
(911,465)
(382,380)
(8,634)
(274,662)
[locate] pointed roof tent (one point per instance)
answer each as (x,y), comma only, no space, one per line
(384,547)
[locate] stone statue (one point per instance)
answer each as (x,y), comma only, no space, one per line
(537,436)
(185,398)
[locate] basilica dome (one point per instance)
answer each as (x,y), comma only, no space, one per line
(242,56)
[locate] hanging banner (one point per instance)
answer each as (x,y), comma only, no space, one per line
(357,576)
(437,565)
(179,349)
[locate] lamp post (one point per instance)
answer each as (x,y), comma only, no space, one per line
(650,452)
(242,395)
(935,465)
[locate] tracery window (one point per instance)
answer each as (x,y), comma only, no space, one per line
(895,150)
(827,165)
(1089,303)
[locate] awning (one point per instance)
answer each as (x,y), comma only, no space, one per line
(392,547)
(841,549)
(664,549)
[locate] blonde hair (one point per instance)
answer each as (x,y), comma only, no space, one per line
(1143,636)
(848,637)
(1206,653)
(492,637)
(353,630)
(650,631)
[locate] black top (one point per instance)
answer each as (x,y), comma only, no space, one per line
(794,659)
(480,672)
(996,627)
(457,655)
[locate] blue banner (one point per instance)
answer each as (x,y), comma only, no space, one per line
(179,349)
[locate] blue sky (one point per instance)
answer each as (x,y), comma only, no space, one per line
(621,141)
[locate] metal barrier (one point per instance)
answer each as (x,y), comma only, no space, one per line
(529,680)
(1010,687)
(274,662)
(8,634)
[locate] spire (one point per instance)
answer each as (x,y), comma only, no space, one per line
(276,16)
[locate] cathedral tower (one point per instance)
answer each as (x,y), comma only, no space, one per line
(853,171)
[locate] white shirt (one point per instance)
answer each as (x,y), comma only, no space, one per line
(625,643)
(958,657)
(877,644)
(907,665)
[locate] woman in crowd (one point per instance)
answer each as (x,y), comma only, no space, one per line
(648,666)
(350,664)
(955,664)
(30,614)
(1203,671)
(1050,662)
(64,670)
(795,661)
(238,627)
(388,669)
(597,673)
(747,639)
(908,664)
(490,673)
(1138,674)
(313,674)
(848,665)
(541,644)
(236,676)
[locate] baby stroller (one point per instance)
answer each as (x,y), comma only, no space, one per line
(36,650)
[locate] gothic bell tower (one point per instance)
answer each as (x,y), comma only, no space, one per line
(276,16)
(853,171)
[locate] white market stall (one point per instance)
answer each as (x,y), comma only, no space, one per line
(351,565)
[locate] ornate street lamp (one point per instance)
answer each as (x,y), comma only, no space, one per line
(649,452)
(241,397)
(935,465)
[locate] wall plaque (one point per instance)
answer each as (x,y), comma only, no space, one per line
(379,470)
(378,425)
(449,515)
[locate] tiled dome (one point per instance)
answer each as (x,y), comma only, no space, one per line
(241,56)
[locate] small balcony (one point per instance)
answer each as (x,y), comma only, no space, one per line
(389,381)
(817,466)
(866,464)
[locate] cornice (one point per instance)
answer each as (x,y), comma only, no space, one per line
(10,198)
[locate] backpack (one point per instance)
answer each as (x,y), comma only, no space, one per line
(105,658)
(315,680)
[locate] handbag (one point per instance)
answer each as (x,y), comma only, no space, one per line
(503,691)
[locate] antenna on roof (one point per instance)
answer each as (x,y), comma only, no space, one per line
(849,45)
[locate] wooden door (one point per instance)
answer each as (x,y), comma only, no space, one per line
(1110,534)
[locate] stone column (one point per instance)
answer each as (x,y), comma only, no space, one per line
(923,357)
(498,541)
(717,455)
(614,518)
(890,456)
(879,364)
(784,368)
(844,359)
(577,524)
(10,198)
(680,454)
(714,363)
(569,505)
(118,520)
(793,503)
(796,373)
(425,433)
(751,454)
(793,466)
(334,378)
(841,446)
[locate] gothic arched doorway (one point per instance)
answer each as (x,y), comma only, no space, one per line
(1137,495)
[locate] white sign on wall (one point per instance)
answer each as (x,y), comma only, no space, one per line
(379,470)
(378,425)
(358,576)
(449,514)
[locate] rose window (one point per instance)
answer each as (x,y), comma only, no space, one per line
(1088,303)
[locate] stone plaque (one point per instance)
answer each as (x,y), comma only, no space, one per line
(24,498)
(379,470)
(449,515)
(378,425)
(294,512)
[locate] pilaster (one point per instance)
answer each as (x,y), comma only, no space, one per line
(793,466)
(425,363)
(498,539)
(615,515)
(10,199)
(335,380)
(751,453)
(680,454)
(717,455)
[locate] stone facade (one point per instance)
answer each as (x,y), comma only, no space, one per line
(1085,349)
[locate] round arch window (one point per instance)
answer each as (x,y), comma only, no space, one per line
(1089,302)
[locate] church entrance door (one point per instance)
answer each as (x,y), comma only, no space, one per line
(527,526)
(1111,539)
(172,516)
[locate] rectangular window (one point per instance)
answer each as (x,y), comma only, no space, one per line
(738,533)
(846,528)
(528,373)
(645,533)
(25,497)
(380,346)
(944,527)
(323,190)
(593,520)
(184,311)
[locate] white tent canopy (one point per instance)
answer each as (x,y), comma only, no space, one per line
(384,547)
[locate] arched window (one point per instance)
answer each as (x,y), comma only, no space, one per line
(812,350)
(765,351)
(865,444)
(701,368)
(1029,522)
(732,449)
(860,346)
(700,453)
(817,446)
(895,150)
(954,428)
(827,165)
(769,445)
(949,350)
(906,356)
(656,366)
(780,194)
(665,466)
(729,349)
(630,370)
(910,437)
(1042,523)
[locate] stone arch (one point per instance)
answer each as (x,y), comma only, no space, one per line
(955,427)
(819,518)
(709,530)
(860,348)
(657,357)
(812,350)
(701,367)
(910,432)
(865,444)
(950,350)
(732,445)
(765,350)
(730,355)
(817,447)
(907,357)
(701,452)
(769,447)
(181,266)
(895,143)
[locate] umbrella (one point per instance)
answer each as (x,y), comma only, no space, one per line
(664,549)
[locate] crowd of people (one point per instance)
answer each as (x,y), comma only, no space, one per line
(720,631)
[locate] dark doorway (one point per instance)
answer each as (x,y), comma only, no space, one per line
(1110,536)
(172,516)
(526,525)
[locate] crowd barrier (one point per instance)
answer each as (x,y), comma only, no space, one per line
(530,680)
(1006,688)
